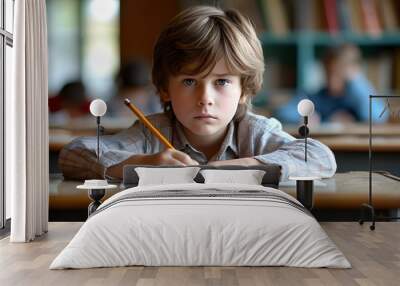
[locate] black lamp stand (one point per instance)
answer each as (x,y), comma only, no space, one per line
(305,188)
(96,194)
(304,131)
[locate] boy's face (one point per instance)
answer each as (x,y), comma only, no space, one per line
(335,77)
(205,104)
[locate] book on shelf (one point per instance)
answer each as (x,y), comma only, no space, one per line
(362,17)
(319,17)
(379,70)
(354,7)
(387,12)
(330,8)
(396,77)
(276,17)
(278,75)
(303,15)
(395,104)
(250,9)
(371,22)
(343,14)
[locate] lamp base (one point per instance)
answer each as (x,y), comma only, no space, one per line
(95,195)
(305,193)
(367,208)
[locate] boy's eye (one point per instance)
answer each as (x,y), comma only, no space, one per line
(189,81)
(222,82)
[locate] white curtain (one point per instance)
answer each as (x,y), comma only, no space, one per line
(27,157)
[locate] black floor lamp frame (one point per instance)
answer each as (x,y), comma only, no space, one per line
(368,207)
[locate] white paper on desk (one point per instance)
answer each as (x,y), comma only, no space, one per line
(292,183)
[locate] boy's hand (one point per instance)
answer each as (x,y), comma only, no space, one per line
(166,157)
(169,157)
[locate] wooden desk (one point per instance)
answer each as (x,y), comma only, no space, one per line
(350,190)
(352,143)
(343,191)
(354,137)
(60,135)
(65,196)
(58,138)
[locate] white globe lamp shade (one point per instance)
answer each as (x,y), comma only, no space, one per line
(305,107)
(98,107)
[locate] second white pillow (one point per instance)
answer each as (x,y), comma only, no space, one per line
(248,177)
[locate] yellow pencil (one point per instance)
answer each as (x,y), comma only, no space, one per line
(148,124)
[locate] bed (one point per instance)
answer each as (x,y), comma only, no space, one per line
(209,223)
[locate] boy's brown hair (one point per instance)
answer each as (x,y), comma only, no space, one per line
(198,37)
(344,54)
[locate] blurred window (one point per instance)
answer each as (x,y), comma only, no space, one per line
(83,44)
(101,46)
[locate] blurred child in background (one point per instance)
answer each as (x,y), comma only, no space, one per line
(133,82)
(69,104)
(345,96)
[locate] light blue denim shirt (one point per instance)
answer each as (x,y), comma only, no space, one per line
(253,136)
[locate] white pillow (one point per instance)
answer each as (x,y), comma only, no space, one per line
(162,176)
(249,177)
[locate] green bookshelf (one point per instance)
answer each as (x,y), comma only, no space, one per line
(295,33)
(305,45)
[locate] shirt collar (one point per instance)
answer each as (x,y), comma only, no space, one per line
(230,141)
(180,141)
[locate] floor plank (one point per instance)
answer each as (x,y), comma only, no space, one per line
(374,255)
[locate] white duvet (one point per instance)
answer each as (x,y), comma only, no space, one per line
(221,225)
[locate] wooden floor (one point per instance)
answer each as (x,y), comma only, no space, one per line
(374,255)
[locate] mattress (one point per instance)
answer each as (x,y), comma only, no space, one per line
(201,225)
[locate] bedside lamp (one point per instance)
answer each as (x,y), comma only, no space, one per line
(304,184)
(96,188)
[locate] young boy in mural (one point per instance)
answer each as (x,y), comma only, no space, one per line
(207,65)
